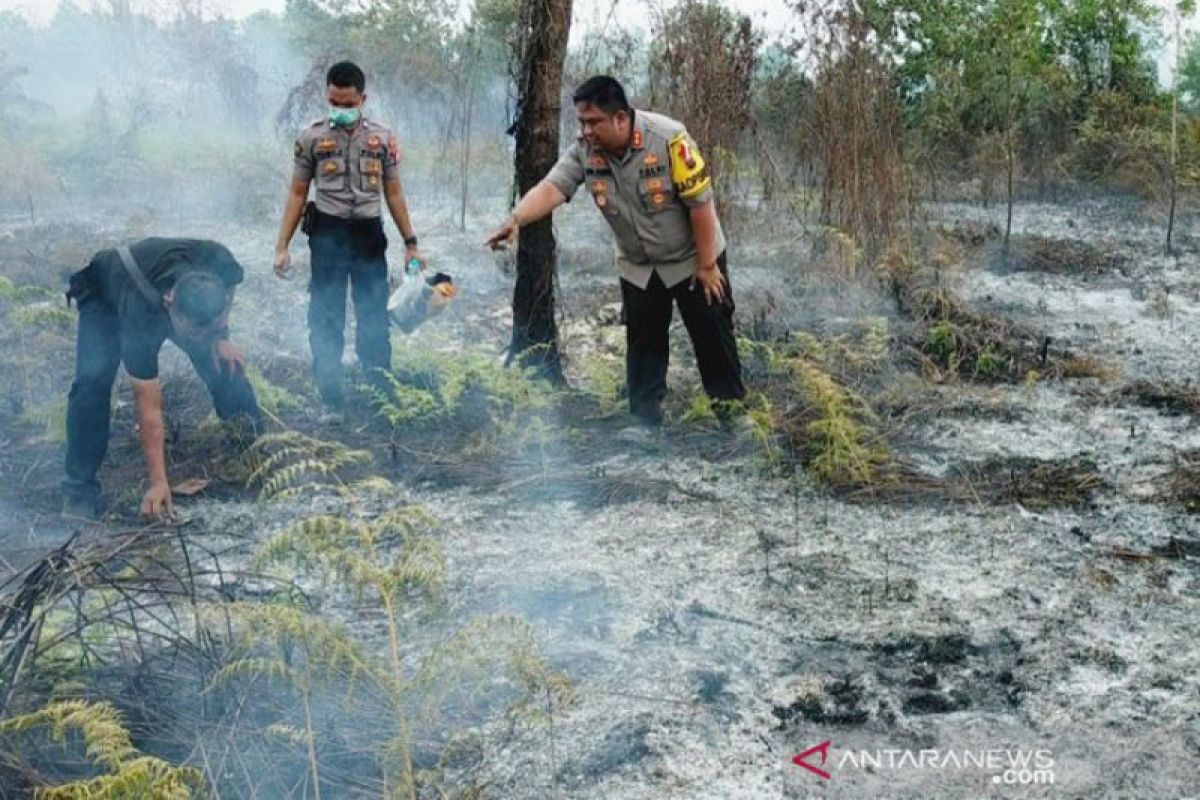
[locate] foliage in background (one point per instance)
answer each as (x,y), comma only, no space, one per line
(703,59)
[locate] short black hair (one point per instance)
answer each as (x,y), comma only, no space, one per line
(346,73)
(604,92)
(201,297)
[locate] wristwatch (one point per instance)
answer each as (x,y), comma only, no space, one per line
(410,241)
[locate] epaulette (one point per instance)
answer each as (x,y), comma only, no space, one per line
(661,126)
(319,121)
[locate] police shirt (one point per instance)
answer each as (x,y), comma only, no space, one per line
(142,327)
(645,196)
(348,166)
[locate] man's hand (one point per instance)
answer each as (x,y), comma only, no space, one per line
(156,504)
(712,281)
(503,235)
(282,262)
(411,253)
(228,356)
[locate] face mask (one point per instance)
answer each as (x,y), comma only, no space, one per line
(343,117)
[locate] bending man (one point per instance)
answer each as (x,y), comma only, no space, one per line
(130,301)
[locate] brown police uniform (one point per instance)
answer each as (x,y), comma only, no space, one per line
(645,196)
(348,168)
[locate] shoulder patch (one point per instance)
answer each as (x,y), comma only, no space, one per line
(393,147)
(299,149)
(689,173)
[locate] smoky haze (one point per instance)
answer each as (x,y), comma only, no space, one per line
(168,116)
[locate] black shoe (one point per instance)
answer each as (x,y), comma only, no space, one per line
(651,417)
(729,413)
(82,506)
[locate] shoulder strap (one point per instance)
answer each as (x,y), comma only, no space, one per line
(138,277)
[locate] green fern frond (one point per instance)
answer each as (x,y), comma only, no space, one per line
(420,565)
(144,777)
(372,483)
(310,538)
(108,745)
(330,652)
(272,669)
(104,734)
(404,520)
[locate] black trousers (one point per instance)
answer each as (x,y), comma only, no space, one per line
(347,251)
(89,405)
(647,321)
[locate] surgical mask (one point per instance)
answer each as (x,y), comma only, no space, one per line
(343,117)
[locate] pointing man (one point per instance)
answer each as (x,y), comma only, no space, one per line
(651,184)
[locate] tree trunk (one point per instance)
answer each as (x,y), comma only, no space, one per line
(1174,132)
(545,27)
(468,101)
(1010,155)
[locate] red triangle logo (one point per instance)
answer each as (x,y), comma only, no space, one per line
(800,760)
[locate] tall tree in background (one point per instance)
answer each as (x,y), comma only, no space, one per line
(1189,76)
(1182,8)
(544,26)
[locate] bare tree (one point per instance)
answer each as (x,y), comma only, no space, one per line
(1181,9)
(544,26)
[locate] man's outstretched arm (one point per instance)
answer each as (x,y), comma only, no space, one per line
(537,203)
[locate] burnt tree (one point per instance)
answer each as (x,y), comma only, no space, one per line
(542,45)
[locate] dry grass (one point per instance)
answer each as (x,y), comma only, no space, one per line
(1062,256)
(1032,482)
(856,125)
(1169,397)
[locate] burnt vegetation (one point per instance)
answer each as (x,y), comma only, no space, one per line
(298,635)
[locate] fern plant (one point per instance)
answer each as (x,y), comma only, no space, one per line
(470,389)
(128,774)
(290,464)
(306,652)
(391,562)
(354,551)
(841,452)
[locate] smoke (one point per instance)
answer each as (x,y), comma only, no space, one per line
(179,115)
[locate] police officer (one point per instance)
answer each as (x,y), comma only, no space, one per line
(352,160)
(649,180)
(130,301)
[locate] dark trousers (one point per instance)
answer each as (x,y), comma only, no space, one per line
(347,251)
(647,321)
(89,405)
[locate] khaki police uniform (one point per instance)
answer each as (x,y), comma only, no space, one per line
(348,169)
(645,196)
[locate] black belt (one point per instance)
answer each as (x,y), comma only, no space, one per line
(323,220)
